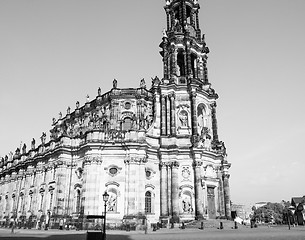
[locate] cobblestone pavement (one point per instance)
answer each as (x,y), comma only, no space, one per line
(278,233)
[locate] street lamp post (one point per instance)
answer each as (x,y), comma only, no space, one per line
(105,199)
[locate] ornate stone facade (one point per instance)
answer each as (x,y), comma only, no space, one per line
(155,151)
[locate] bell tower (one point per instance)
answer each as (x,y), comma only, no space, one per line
(194,178)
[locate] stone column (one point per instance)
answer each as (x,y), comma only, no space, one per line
(126,208)
(197,20)
(60,192)
(167,20)
(163,190)
(194,114)
(169,188)
(172,13)
(173,111)
(163,115)
(165,60)
(141,185)
(185,63)
(205,71)
(175,191)
(214,122)
(168,116)
(221,202)
(198,190)
(226,189)
(192,18)
(132,200)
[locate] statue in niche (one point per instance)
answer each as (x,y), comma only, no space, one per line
(183,117)
(186,204)
(69,127)
(43,138)
(115,83)
(24,149)
(142,83)
(33,144)
(79,172)
(112,202)
(201,117)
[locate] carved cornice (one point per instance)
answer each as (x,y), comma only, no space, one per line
(93,159)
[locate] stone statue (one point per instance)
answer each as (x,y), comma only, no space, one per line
(87,99)
(99,91)
(112,203)
(17,152)
(33,144)
(77,104)
(68,110)
(115,83)
(142,83)
(164,33)
(155,81)
(53,120)
(60,115)
(43,138)
(24,149)
(183,117)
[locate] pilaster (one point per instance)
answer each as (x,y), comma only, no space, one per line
(175,191)
(199,201)
(226,189)
(163,190)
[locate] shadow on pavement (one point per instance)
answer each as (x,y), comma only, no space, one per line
(64,236)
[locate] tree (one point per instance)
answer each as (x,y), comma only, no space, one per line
(271,212)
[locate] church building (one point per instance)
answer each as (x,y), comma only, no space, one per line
(155,150)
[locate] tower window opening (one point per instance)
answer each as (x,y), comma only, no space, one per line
(194,65)
(180,64)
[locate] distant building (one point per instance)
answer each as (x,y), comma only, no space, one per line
(242,211)
(299,206)
(260,204)
(155,151)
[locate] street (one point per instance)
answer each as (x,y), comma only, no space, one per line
(261,233)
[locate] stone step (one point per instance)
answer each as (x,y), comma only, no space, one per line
(213,223)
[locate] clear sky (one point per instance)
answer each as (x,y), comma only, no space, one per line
(53,53)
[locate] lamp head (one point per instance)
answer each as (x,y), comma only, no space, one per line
(105,197)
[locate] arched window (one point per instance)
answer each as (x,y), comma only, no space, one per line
(126,124)
(148,202)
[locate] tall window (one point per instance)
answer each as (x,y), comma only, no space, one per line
(148,202)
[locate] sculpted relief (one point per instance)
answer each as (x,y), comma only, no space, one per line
(204,131)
